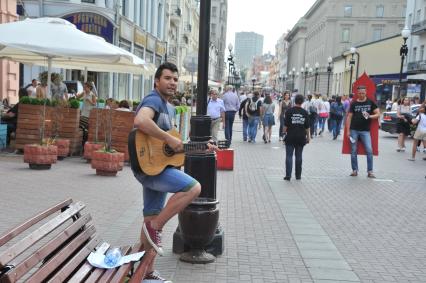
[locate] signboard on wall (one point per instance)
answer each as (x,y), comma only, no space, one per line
(93,24)
(413,90)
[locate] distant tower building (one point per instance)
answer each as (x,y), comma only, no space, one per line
(247,46)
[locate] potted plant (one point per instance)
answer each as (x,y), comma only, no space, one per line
(41,156)
(63,144)
(135,105)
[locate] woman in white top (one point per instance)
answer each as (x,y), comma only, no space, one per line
(403,125)
(323,111)
(89,99)
(420,134)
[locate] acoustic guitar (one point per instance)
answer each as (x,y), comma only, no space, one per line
(152,156)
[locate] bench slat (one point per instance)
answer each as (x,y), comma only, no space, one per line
(109,273)
(26,265)
(86,268)
(38,234)
(30,222)
(124,270)
(75,262)
(75,245)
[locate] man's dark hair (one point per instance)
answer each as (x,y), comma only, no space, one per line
(299,99)
(256,93)
(165,66)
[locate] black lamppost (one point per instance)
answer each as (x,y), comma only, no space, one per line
(230,63)
(330,61)
(280,81)
(304,71)
(403,53)
(351,63)
(292,74)
(316,75)
(284,81)
(253,80)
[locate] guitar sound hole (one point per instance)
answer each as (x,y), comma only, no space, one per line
(168,151)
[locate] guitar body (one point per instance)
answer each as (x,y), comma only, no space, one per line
(151,155)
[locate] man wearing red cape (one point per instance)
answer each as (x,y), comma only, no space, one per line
(361,128)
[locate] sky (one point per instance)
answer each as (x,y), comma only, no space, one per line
(271,18)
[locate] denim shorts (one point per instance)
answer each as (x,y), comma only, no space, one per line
(155,188)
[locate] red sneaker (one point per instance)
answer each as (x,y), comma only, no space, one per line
(153,236)
(154,275)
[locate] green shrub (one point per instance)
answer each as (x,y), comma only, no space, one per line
(25,100)
(101,100)
(74,103)
(136,103)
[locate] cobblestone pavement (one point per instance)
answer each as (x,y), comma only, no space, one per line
(328,227)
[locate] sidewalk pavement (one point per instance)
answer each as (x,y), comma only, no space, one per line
(328,227)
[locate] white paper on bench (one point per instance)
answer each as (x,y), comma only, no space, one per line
(97,259)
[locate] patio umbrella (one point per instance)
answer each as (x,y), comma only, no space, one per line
(57,42)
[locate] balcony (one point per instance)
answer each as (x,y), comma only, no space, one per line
(176,15)
(415,67)
(418,28)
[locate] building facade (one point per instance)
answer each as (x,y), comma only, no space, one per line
(9,70)
(247,46)
(416,59)
(218,24)
(332,27)
(136,26)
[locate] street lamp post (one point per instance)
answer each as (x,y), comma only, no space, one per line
(403,53)
(330,60)
(311,71)
(304,71)
(284,81)
(230,62)
(292,73)
(351,63)
(316,75)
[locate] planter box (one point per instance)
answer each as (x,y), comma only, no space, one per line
(122,124)
(60,121)
(28,130)
(40,156)
(90,147)
(106,163)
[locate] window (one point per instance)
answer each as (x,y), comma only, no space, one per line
(214,12)
(88,1)
(404,11)
(410,19)
(422,53)
(377,34)
(124,9)
(414,57)
(380,11)
(419,13)
(213,28)
(348,11)
(345,34)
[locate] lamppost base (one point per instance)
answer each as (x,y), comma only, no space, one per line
(216,247)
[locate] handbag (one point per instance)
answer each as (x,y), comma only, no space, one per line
(323,115)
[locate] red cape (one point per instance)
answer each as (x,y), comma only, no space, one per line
(374,126)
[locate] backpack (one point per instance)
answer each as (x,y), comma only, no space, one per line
(312,108)
(252,107)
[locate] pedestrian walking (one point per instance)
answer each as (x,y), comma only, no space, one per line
(420,134)
(285,104)
(268,120)
(232,104)
(403,125)
(253,112)
(311,107)
(323,112)
(337,111)
(361,112)
(297,136)
(216,110)
(152,118)
(242,113)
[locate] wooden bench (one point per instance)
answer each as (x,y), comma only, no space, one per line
(53,246)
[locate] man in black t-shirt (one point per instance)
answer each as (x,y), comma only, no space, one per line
(361,112)
(296,127)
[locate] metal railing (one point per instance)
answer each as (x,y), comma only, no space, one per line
(419,27)
(416,66)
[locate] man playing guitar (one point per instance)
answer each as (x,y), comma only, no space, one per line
(152,118)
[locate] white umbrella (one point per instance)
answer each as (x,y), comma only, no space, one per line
(57,42)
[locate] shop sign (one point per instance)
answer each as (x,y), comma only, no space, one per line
(140,38)
(93,24)
(151,43)
(160,48)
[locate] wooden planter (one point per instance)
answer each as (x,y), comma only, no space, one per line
(40,156)
(122,124)
(107,163)
(28,130)
(90,147)
(63,148)
(65,122)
